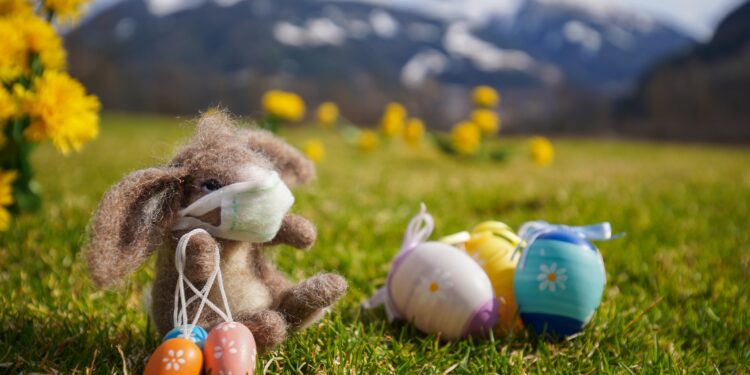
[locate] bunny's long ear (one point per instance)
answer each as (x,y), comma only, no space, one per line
(294,167)
(131,221)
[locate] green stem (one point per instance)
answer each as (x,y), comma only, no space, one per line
(14,155)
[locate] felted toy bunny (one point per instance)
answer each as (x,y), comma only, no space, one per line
(232,183)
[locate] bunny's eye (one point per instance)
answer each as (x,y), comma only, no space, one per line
(210,185)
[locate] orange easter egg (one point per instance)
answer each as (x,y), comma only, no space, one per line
(175,356)
(230,349)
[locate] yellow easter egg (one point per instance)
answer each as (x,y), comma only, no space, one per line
(492,244)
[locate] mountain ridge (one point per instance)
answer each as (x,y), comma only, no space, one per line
(218,53)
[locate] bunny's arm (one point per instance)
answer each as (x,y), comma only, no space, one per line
(295,231)
(200,253)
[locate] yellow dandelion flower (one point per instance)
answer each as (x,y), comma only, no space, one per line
(487,120)
(392,123)
(541,150)
(466,138)
(61,111)
(24,36)
(414,132)
(14,61)
(486,97)
(42,39)
(15,7)
(368,140)
(7,105)
(6,187)
(328,114)
(283,105)
(314,150)
(65,10)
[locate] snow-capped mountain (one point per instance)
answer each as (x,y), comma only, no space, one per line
(138,51)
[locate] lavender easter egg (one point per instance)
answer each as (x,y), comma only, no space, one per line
(198,335)
(175,356)
(442,290)
(558,283)
(230,349)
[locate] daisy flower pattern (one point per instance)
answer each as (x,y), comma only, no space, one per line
(551,277)
(228,326)
(228,346)
(174,360)
(436,284)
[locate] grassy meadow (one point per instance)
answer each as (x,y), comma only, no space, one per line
(676,298)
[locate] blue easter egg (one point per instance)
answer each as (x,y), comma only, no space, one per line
(560,284)
(198,335)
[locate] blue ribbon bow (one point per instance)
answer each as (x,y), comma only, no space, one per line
(531,230)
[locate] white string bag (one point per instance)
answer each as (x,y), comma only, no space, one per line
(180,316)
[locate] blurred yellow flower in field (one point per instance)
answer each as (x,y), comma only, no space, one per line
(65,10)
(283,105)
(487,120)
(4,219)
(6,196)
(24,36)
(466,138)
(6,188)
(368,140)
(414,132)
(314,150)
(486,97)
(541,150)
(61,111)
(328,114)
(392,123)
(396,109)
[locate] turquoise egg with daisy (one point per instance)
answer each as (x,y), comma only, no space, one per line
(558,283)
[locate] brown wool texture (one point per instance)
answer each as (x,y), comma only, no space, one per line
(135,217)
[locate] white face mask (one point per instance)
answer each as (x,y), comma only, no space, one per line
(250,211)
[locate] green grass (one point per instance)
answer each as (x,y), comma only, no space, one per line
(676,298)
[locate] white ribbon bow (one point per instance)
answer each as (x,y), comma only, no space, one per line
(418,231)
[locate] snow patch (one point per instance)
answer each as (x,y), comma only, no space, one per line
(579,33)
(383,23)
(226,3)
(166,7)
(485,56)
(316,32)
(421,66)
(124,28)
(620,38)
